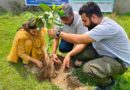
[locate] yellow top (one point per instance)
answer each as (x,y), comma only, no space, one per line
(26,46)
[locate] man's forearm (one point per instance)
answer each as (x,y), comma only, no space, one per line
(77,39)
(77,49)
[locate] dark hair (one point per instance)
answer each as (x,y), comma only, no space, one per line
(27,26)
(68,10)
(90,8)
(31,24)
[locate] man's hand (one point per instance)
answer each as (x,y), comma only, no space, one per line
(55,58)
(66,62)
(52,33)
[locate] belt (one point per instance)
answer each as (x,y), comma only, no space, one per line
(120,61)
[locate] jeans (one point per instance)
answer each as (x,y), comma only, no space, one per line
(65,46)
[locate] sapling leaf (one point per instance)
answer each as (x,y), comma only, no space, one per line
(53,6)
(45,7)
(61,13)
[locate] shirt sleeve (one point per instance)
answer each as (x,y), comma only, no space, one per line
(101,32)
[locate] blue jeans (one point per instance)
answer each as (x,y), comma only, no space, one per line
(65,46)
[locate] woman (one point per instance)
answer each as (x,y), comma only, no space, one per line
(29,44)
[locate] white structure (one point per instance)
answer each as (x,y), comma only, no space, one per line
(121,6)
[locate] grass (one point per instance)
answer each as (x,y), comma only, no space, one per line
(15,77)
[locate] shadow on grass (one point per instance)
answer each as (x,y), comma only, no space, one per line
(19,67)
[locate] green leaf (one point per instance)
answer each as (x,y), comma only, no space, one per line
(48,25)
(46,15)
(40,23)
(53,6)
(61,13)
(58,23)
(50,15)
(45,7)
(59,7)
(29,15)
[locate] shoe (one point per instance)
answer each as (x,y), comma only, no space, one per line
(107,87)
(78,64)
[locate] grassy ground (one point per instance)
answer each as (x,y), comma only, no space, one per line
(15,77)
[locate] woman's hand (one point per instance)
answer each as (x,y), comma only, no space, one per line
(39,63)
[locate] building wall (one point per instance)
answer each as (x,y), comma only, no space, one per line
(6,4)
(121,6)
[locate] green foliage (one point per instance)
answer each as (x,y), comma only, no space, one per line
(45,7)
(51,15)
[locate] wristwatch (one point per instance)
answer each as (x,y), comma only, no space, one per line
(58,33)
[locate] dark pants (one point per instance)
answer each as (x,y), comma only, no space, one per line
(87,54)
(65,46)
(99,68)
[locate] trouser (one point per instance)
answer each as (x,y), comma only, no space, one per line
(65,46)
(86,54)
(99,68)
